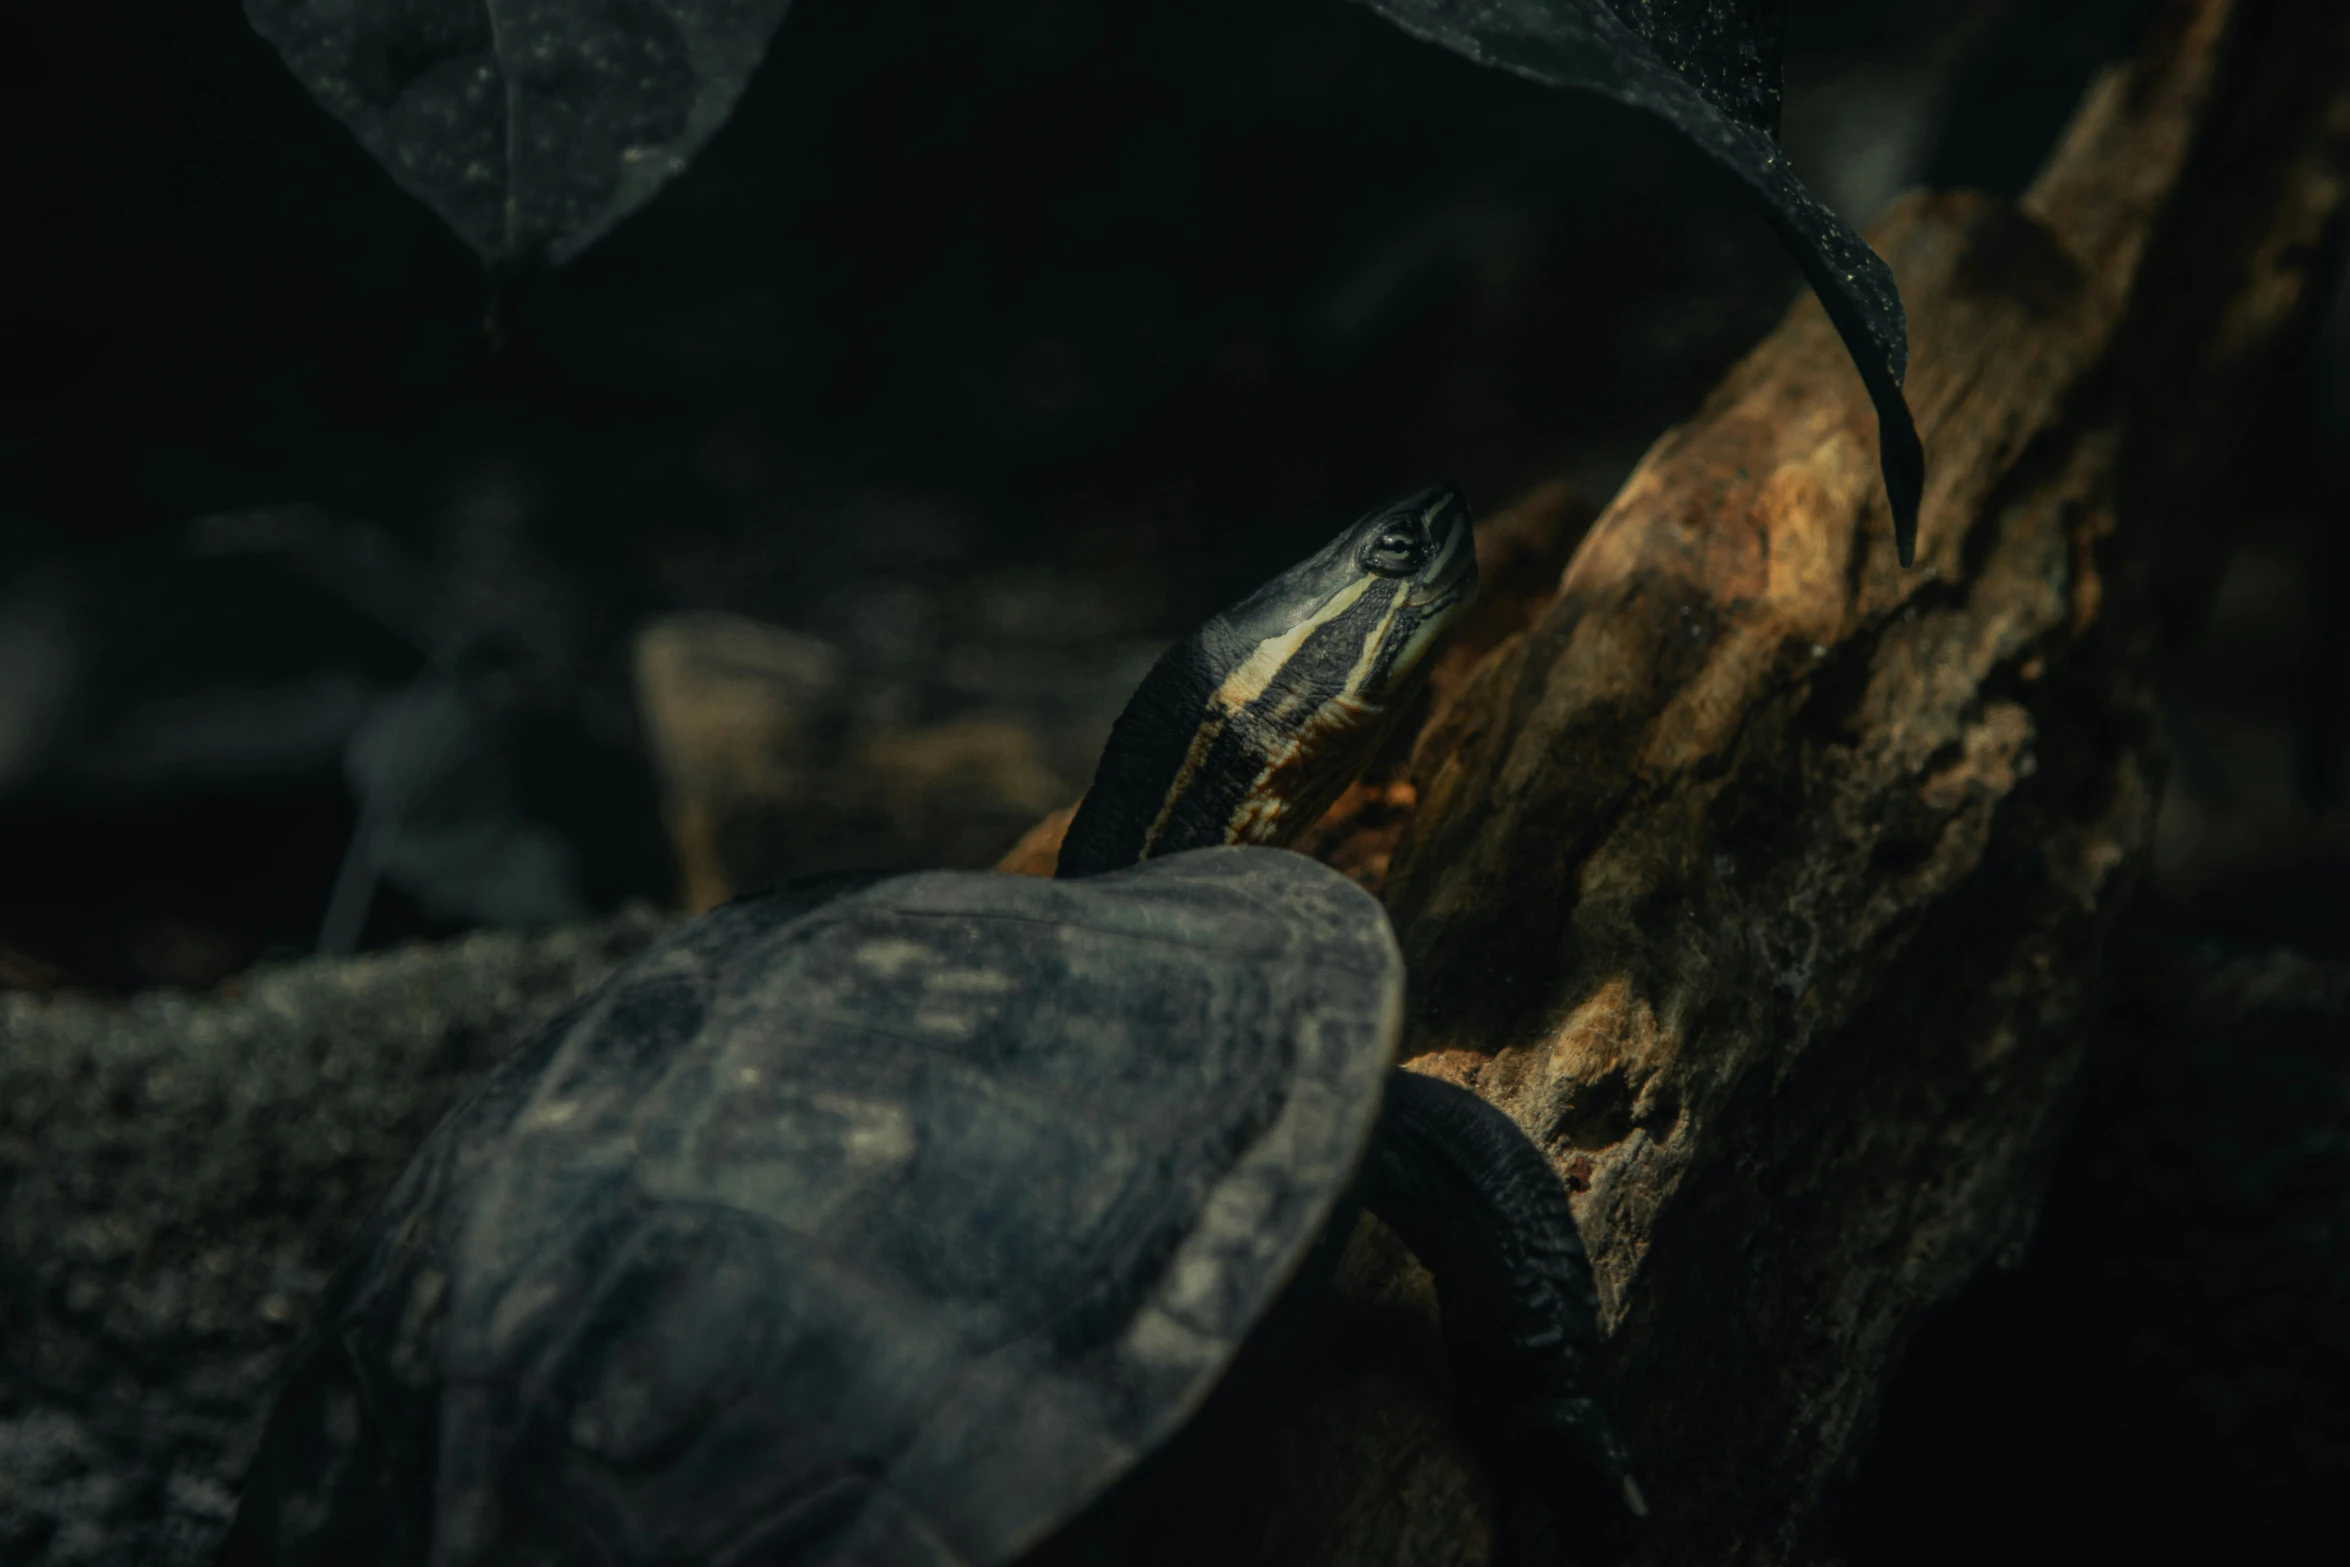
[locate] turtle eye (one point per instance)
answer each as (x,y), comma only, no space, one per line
(1395,552)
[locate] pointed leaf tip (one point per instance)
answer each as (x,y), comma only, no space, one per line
(1710,69)
(529,126)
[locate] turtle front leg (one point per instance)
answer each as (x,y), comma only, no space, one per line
(1479,1205)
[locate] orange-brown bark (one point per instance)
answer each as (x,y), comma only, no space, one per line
(1765,883)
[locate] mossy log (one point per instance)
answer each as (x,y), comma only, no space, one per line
(1766,883)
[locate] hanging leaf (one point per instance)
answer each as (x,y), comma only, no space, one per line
(1710,68)
(530,126)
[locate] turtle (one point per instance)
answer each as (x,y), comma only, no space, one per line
(902,1221)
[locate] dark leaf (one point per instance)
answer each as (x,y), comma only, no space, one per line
(1726,49)
(530,126)
(1711,69)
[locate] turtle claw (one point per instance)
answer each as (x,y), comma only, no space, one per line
(1566,1494)
(1574,1520)
(1576,1524)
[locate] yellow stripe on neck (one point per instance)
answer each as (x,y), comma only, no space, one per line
(1243,686)
(1268,658)
(1201,741)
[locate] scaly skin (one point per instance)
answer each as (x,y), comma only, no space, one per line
(1463,1186)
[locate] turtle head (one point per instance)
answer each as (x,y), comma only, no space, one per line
(1358,620)
(1247,729)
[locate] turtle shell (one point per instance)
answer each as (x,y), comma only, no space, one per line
(894,1231)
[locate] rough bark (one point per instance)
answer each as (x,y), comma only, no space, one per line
(2162,1379)
(1767,884)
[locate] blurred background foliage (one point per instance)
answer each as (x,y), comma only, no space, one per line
(987,344)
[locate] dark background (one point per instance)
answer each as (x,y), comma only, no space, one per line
(989,342)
